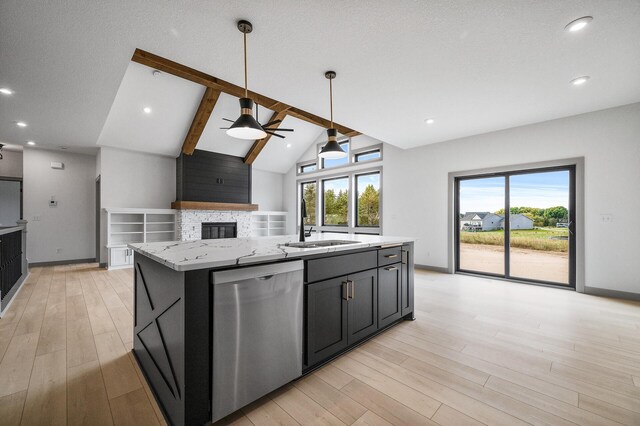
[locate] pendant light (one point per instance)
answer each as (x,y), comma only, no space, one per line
(246,127)
(332,150)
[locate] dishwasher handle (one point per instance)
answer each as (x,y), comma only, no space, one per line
(261,272)
(265,278)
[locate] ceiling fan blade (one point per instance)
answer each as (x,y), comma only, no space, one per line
(279,130)
(275,134)
(230,121)
(225,128)
(271,123)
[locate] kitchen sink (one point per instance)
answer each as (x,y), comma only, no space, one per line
(324,243)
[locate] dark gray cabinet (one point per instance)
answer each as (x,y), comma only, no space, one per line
(407,280)
(389,294)
(327,331)
(372,290)
(362,305)
(340,312)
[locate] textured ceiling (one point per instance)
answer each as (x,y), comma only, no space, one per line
(473,66)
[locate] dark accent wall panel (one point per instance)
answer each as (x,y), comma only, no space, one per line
(212,177)
(172,338)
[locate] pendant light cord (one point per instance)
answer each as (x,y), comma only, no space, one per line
(245,65)
(331,99)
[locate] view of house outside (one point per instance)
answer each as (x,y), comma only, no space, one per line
(539,237)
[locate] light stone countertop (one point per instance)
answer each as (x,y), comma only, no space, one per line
(203,254)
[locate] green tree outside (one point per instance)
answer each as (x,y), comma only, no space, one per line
(310,196)
(369,207)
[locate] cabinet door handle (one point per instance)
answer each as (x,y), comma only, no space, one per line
(390,256)
(391,268)
(345,290)
(352,289)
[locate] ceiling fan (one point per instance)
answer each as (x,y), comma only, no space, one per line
(247,127)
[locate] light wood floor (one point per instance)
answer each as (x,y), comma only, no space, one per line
(480,352)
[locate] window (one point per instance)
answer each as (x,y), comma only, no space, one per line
(327,163)
(310,195)
(307,168)
(368,200)
(335,201)
(374,154)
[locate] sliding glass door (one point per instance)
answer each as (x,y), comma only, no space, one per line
(518,225)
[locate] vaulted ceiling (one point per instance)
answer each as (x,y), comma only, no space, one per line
(472,66)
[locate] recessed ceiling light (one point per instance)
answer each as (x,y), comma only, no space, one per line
(579,81)
(429,120)
(6,91)
(578,24)
(147,110)
(31,143)
(288,145)
(21,124)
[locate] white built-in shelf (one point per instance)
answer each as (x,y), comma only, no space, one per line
(268,223)
(128,226)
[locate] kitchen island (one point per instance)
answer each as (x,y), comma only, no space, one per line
(206,343)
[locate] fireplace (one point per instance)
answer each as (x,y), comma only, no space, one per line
(214,230)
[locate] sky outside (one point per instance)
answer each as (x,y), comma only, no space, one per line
(539,190)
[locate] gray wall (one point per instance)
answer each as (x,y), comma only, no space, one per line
(11,164)
(65,232)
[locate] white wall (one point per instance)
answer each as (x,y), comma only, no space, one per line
(11,164)
(133,180)
(415,182)
(266,190)
(65,232)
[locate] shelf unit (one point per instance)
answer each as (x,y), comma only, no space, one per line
(127,226)
(268,223)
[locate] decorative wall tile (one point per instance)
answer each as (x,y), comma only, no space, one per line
(189,222)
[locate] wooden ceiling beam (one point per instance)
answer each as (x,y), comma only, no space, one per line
(183,71)
(200,120)
(261,143)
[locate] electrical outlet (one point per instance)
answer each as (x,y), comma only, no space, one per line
(606,217)
(36,218)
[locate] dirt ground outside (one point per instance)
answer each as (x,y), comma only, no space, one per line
(525,263)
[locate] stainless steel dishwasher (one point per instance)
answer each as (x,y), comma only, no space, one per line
(257,333)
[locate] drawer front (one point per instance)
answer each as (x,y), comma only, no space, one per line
(389,255)
(341,264)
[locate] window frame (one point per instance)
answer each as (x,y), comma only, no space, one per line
(351,158)
(300,185)
(350,227)
(356,175)
(365,151)
(349,192)
(302,165)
